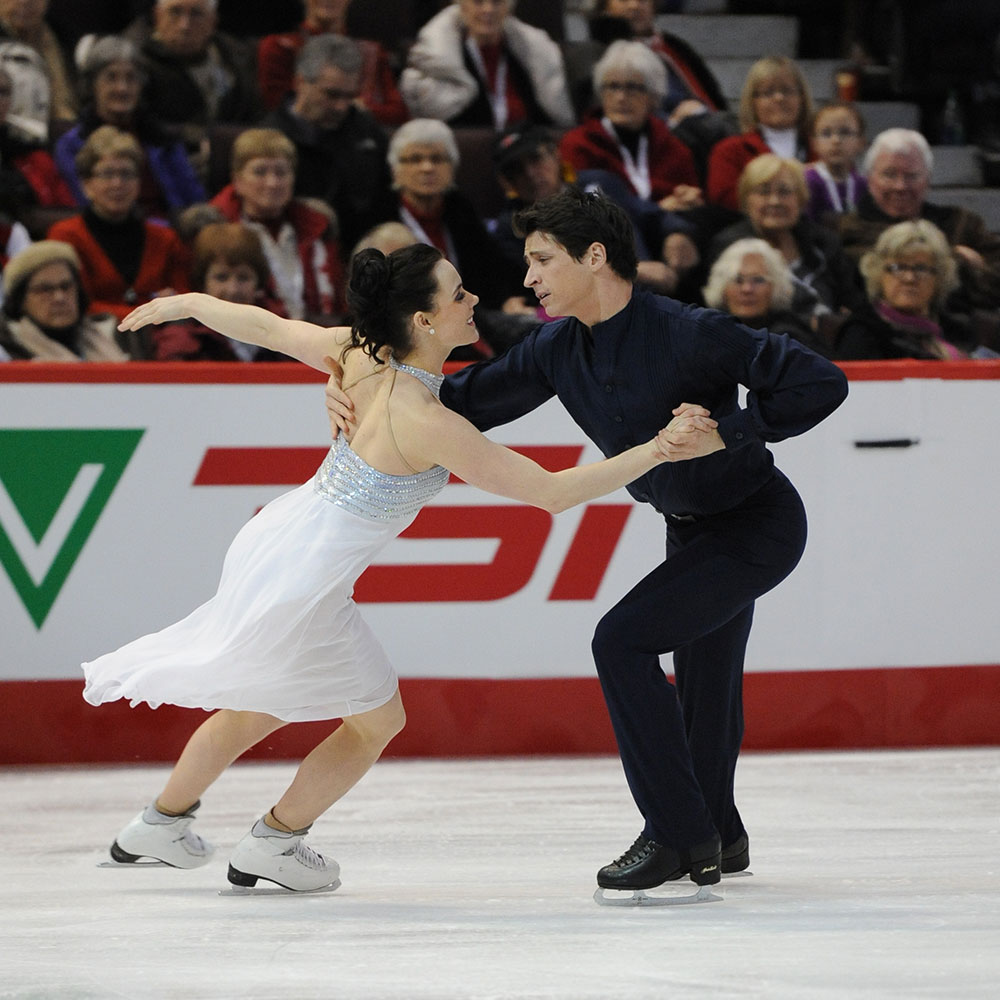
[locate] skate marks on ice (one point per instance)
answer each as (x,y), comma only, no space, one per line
(657,896)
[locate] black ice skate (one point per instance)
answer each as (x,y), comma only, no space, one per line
(647,865)
(736,858)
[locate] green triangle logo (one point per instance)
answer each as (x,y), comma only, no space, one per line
(54,484)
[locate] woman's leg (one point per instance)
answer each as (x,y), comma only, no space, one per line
(337,764)
(213,746)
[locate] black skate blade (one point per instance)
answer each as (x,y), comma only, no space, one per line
(641,897)
(273,889)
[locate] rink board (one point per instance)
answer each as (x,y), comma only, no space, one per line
(122,487)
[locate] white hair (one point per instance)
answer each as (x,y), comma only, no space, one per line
(899,140)
(633,57)
(422,130)
(725,269)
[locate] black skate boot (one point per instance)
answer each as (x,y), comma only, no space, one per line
(736,856)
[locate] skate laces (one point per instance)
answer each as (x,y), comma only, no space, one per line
(639,850)
(305,855)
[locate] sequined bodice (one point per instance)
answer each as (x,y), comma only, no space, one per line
(350,482)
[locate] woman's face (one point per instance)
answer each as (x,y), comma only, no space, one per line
(748,295)
(424,170)
(625,100)
(909,282)
(837,139)
(52,296)
(113,187)
(777,101)
(640,14)
(454,324)
(483,19)
(265,184)
(231,282)
(116,91)
(774,206)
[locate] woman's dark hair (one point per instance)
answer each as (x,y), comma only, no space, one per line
(384,292)
(575,219)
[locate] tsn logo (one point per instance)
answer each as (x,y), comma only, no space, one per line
(521,532)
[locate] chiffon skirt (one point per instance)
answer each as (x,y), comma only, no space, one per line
(282,634)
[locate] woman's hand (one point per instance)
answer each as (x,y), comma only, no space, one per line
(167,309)
(339,408)
(691,434)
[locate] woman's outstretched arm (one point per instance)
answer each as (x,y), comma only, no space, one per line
(306,342)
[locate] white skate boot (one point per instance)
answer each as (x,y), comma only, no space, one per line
(156,838)
(281,858)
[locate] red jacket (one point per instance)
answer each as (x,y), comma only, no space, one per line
(164,264)
(590,147)
(318,251)
(725,164)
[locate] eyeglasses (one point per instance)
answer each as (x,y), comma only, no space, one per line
(837,133)
(767,92)
(340,95)
(914,270)
(775,190)
(907,176)
(45,289)
(115,174)
(435,159)
(754,280)
(281,171)
(631,88)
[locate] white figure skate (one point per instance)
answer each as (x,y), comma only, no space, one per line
(154,838)
(281,858)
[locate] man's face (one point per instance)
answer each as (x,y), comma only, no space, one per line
(535,175)
(326,100)
(183,27)
(562,285)
(898,184)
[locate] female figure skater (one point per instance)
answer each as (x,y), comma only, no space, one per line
(282,641)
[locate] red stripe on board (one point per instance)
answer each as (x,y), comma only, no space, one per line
(257,466)
(47,722)
(590,552)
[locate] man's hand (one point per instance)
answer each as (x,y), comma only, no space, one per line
(691,434)
(339,408)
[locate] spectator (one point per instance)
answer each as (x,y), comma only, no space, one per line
(377,91)
(772,192)
(775,111)
(423,156)
(751,281)
(196,75)
(298,237)
(386,236)
(28,174)
(835,186)
(474,64)
(47,84)
(45,311)
(341,148)
(111,81)
(898,166)
(908,274)
(125,260)
(229,263)
(631,155)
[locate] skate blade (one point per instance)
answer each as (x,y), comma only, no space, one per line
(641,897)
(742,874)
(150,863)
(276,890)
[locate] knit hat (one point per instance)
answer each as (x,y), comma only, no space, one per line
(519,142)
(24,264)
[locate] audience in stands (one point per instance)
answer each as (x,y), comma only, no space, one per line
(474,63)
(125,259)
(898,166)
(111,82)
(631,155)
(229,263)
(772,193)
(31,51)
(775,112)
(341,147)
(377,91)
(28,174)
(752,281)
(197,75)
(44,315)
(297,235)
(909,274)
(835,185)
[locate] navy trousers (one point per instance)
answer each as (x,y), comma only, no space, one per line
(679,744)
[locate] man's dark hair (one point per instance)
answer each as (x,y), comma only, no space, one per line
(575,219)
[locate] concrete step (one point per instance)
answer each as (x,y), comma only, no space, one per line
(880,115)
(720,36)
(732,73)
(982,201)
(956,166)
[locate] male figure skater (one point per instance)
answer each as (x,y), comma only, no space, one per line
(625,362)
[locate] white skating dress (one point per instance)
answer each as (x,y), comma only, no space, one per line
(282,634)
